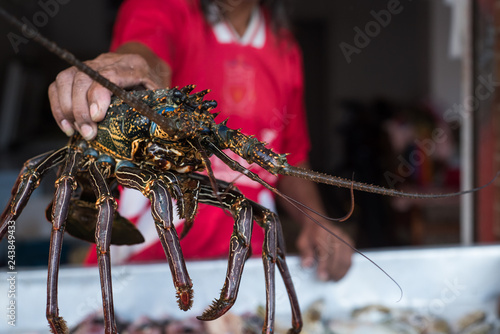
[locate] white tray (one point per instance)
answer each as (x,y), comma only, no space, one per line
(447,282)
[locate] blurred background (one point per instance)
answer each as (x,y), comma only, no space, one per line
(385,100)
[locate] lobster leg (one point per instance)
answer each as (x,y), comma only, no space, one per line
(106,205)
(241,210)
(65,185)
(189,204)
(287,279)
(273,252)
(269,223)
(157,191)
(27,181)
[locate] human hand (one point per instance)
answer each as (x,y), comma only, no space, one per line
(333,257)
(78,102)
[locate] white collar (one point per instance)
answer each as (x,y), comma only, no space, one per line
(255,34)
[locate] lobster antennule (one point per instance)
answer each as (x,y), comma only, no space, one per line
(345,183)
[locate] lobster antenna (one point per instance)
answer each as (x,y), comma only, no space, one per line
(67,56)
(369,188)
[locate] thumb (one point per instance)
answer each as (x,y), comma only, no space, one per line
(99,100)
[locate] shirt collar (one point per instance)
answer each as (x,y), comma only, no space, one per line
(255,34)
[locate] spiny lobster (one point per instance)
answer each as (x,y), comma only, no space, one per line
(155,141)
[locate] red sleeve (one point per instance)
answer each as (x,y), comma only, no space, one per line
(159,24)
(296,136)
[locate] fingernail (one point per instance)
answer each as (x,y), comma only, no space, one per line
(67,128)
(94,111)
(87,131)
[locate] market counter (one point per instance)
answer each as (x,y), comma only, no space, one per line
(447,282)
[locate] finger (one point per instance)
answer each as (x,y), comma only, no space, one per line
(326,257)
(99,99)
(339,261)
(342,263)
(306,250)
(123,73)
(81,112)
(63,91)
(83,119)
(64,124)
(344,266)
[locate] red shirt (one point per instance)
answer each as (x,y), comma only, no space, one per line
(257,82)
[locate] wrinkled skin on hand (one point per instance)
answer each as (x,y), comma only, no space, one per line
(78,102)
